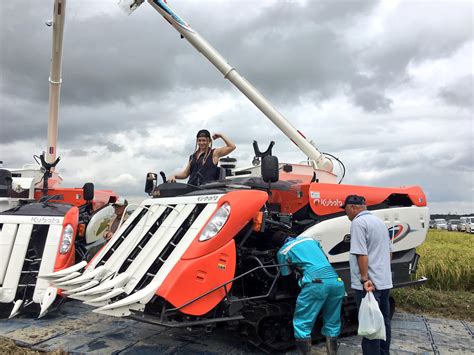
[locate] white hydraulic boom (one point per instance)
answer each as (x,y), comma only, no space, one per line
(318,160)
(55,78)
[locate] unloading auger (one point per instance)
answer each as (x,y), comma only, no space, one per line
(318,160)
(197,256)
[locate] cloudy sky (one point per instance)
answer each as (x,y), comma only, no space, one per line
(386,86)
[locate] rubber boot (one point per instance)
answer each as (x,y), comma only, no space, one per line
(304,346)
(331,345)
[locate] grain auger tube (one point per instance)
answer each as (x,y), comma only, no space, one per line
(318,160)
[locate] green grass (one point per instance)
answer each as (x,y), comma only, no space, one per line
(425,301)
(447,260)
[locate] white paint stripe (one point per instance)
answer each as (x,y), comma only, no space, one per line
(153,247)
(157,243)
(12,277)
(144,296)
(48,260)
(7,240)
(124,226)
(207,199)
(31,219)
(61,273)
(134,237)
(288,248)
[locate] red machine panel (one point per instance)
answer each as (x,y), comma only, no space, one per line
(190,279)
(326,199)
(292,200)
(65,260)
(244,205)
(74,196)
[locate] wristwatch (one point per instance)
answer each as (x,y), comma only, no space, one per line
(362,281)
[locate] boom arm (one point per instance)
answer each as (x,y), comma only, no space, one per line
(55,78)
(319,161)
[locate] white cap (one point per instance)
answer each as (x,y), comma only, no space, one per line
(120,202)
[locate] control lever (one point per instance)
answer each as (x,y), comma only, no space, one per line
(163,176)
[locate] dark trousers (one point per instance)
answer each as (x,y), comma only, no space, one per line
(372,347)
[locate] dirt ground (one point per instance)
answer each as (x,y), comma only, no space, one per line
(9,347)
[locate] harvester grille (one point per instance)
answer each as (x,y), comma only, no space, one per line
(117,242)
(145,239)
(128,271)
(27,251)
(165,253)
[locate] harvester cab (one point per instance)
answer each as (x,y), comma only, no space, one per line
(227,166)
(199,256)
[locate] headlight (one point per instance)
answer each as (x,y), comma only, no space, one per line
(216,223)
(66,239)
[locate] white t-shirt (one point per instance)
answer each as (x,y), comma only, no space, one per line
(369,236)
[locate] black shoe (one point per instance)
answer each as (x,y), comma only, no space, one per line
(331,345)
(304,346)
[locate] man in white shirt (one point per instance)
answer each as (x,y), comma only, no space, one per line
(370,264)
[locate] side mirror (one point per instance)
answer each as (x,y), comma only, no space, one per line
(150,183)
(88,191)
(270,169)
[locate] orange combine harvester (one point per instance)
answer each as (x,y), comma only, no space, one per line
(202,255)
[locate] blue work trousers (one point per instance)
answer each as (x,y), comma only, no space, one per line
(326,297)
(376,346)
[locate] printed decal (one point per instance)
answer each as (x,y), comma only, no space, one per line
(45,220)
(208,198)
(342,247)
(399,232)
(395,233)
(328,202)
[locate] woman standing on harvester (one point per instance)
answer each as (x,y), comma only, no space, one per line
(202,165)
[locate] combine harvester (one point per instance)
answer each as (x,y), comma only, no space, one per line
(197,256)
(44,227)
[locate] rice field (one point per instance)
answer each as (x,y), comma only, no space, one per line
(447,261)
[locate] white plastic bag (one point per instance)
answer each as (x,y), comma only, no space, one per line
(371,322)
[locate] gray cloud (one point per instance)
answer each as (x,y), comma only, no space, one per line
(113,147)
(134,95)
(372,100)
(21,122)
(126,58)
(78,153)
(460,93)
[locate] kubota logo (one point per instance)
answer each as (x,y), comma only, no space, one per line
(328,202)
(45,220)
(208,198)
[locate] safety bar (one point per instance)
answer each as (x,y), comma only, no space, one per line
(165,311)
